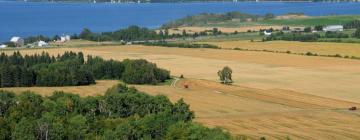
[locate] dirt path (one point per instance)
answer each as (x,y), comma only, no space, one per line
(173,83)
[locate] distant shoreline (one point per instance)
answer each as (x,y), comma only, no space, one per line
(225,1)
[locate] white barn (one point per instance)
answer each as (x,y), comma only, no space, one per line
(3,46)
(65,38)
(17,41)
(42,44)
(334,28)
(267,33)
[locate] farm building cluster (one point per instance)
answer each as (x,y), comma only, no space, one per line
(17,41)
(330,28)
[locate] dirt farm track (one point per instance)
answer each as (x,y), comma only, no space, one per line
(274,95)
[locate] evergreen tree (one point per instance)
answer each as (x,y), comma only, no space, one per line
(7,79)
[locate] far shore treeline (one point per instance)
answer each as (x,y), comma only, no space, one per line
(177,1)
(136,34)
(72,69)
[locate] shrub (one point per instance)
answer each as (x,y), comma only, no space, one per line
(143,72)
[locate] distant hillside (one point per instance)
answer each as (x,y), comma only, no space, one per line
(236,19)
(210,18)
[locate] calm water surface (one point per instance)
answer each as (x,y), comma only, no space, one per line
(24,19)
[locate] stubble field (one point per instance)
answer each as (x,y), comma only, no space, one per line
(324,48)
(274,95)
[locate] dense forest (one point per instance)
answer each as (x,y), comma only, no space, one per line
(121,114)
(72,69)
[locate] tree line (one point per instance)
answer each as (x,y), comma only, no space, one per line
(71,69)
(355,24)
(122,113)
(132,33)
(306,37)
(179,45)
(128,34)
(310,37)
(136,33)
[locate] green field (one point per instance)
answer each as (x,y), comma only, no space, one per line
(311,21)
(308,21)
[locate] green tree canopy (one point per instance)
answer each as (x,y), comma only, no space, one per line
(225,75)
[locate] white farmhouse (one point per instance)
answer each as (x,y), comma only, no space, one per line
(42,44)
(17,41)
(334,28)
(3,46)
(267,33)
(65,38)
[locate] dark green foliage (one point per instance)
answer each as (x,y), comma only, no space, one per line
(127,114)
(318,28)
(141,72)
(71,69)
(105,69)
(307,29)
(132,33)
(352,25)
(7,100)
(191,131)
(357,33)
(308,37)
(205,18)
(225,75)
(180,45)
(336,35)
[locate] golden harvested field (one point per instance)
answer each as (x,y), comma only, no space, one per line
(222,29)
(323,76)
(273,113)
(92,90)
(274,94)
(350,49)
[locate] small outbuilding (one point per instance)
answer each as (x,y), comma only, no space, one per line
(42,44)
(334,28)
(65,38)
(18,41)
(267,33)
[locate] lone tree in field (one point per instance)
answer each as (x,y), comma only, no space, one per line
(225,75)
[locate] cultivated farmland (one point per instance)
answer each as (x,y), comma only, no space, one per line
(274,94)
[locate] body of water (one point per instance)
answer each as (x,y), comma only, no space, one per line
(25,19)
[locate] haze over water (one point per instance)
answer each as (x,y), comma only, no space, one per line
(25,19)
